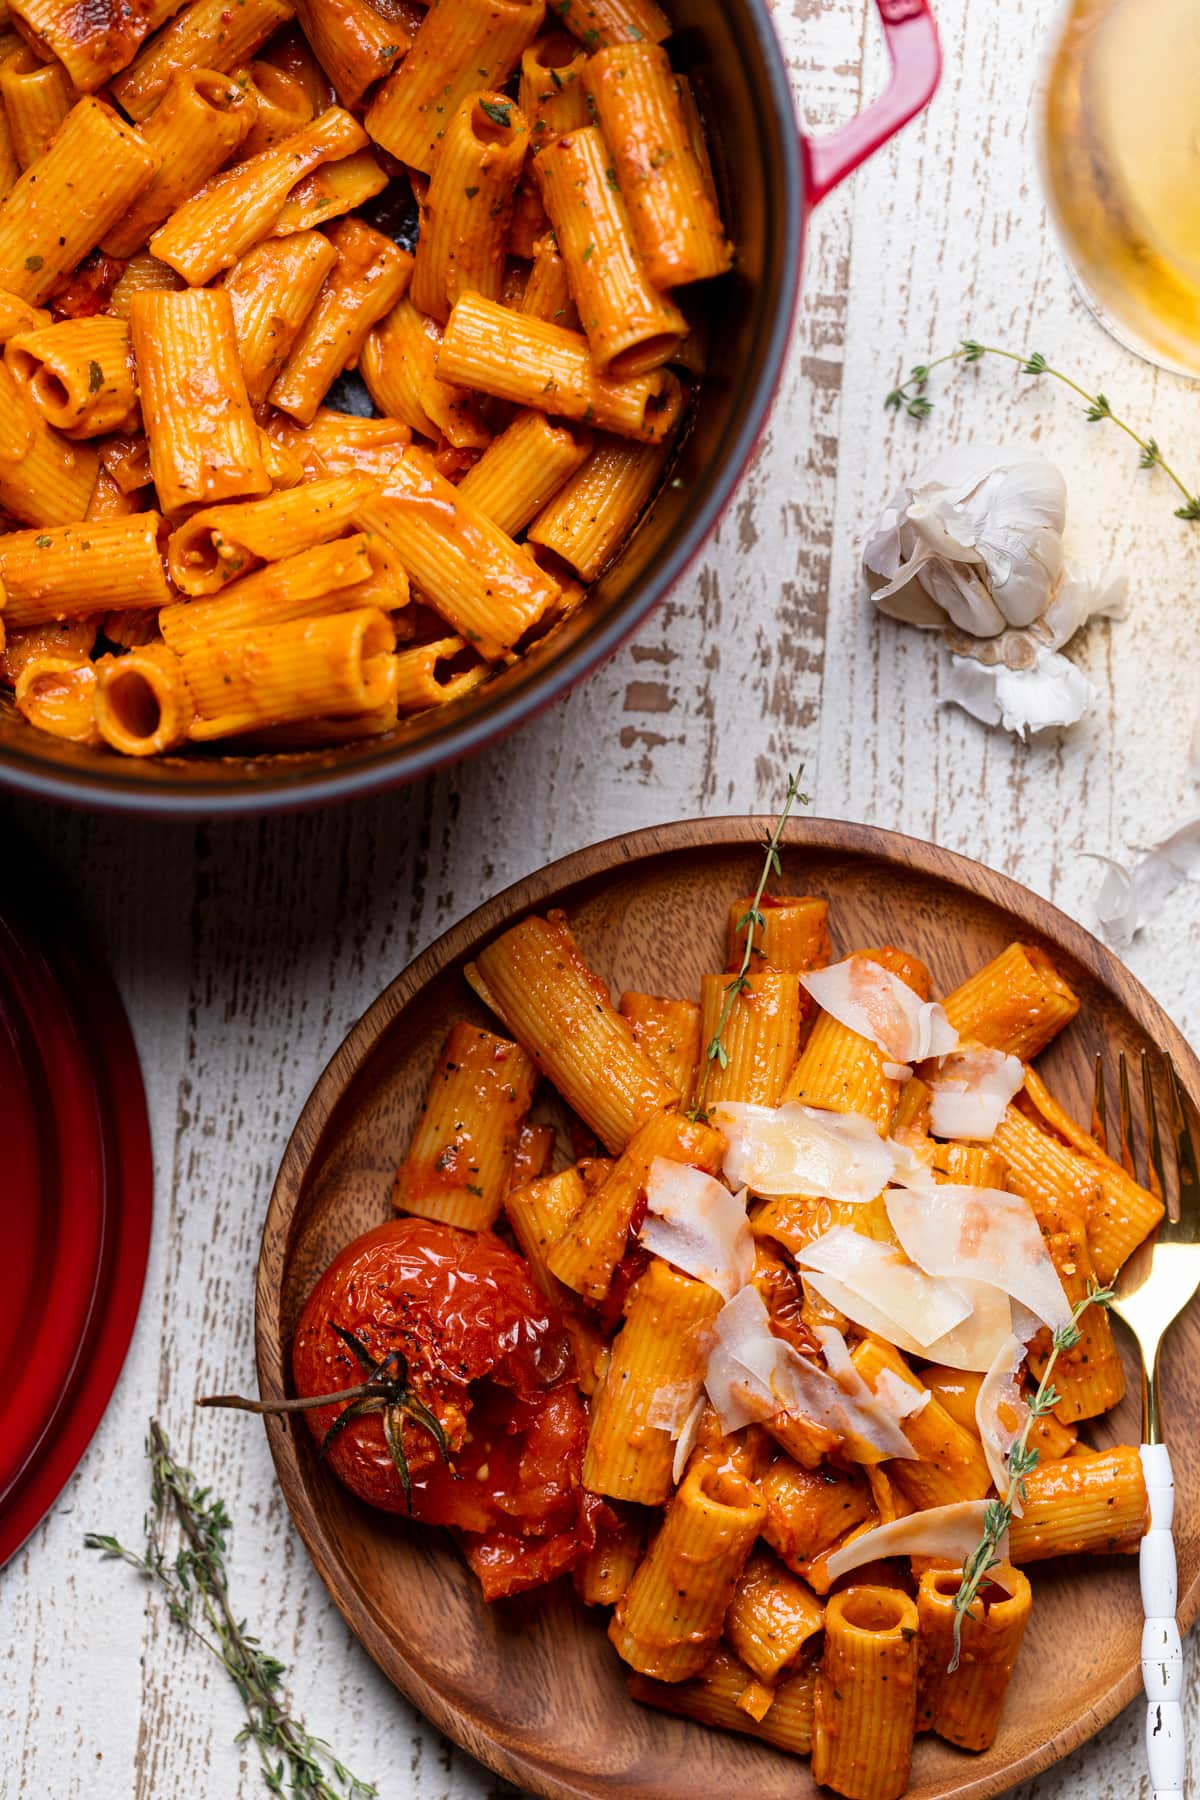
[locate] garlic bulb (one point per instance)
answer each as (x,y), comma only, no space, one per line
(1081,594)
(973,540)
(973,545)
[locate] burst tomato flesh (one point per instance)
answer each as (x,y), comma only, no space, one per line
(486,1353)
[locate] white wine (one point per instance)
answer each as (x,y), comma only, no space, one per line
(1122,163)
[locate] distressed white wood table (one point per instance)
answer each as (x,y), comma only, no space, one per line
(245,953)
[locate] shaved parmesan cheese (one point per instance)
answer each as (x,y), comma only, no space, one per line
(878,1005)
(905,1400)
(921,1305)
(670,1406)
(753,1375)
(970,1090)
(794,1149)
(697,1225)
(1024,1325)
(1000,1413)
(980,1234)
(971,1345)
(949,1532)
(686,1441)
(912,1162)
(902,1397)
(897,1071)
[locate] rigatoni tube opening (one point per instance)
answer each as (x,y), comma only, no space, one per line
(142,704)
(875,1611)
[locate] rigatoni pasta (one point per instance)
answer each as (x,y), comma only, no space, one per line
(488,587)
(91,43)
(401,365)
(458,1163)
(369,276)
(79,374)
(796,1395)
(36,98)
(44,478)
(272,290)
(462,49)
(201,235)
(209,231)
(206,34)
(468,209)
(143,704)
(672,213)
(524,468)
(631,326)
(864,1717)
(185,344)
(57,694)
(592,514)
(91,170)
(199,123)
(532,362)
(333,667)
(72,571)
(353,42)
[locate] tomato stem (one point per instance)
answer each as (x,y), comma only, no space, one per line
(390,1395)
(307,1403)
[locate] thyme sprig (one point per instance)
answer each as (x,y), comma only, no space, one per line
(751,921)
(910,397)
(385,1390)
(1022,1460)
(195,1584)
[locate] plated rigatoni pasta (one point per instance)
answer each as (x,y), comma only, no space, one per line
(249,253)
(798,1310)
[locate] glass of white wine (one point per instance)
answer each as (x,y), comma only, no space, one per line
(1121,153)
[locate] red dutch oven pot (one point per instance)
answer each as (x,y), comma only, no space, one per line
(771,175)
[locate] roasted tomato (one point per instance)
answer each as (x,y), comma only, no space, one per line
(487,1355)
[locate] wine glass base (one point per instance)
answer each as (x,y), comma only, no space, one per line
(1126,335)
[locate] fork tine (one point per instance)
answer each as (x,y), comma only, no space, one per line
(1126,1118)
(1185,1158)
(1099,1107)
(1157,1182)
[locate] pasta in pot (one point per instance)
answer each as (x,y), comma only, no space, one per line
(198,243)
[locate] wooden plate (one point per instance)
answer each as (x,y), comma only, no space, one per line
(531,1686)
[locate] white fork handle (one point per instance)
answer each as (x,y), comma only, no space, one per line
(1162,1650)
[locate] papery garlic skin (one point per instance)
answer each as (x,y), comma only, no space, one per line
(1082,594)
(1134,895)
(1052,692)
(973,540)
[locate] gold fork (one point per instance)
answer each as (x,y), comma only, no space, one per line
(1154,1288)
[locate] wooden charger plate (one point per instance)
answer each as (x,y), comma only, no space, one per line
(531,1686)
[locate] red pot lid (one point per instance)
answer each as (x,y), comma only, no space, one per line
(75,1201)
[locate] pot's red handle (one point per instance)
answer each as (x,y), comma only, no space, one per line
(912,40)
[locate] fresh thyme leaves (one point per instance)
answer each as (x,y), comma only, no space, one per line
(750,921)
(1022,1460)
(385,1389)
(195,1583)
(910,397)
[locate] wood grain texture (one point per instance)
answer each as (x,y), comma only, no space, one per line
(245,954)
(532,1686)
